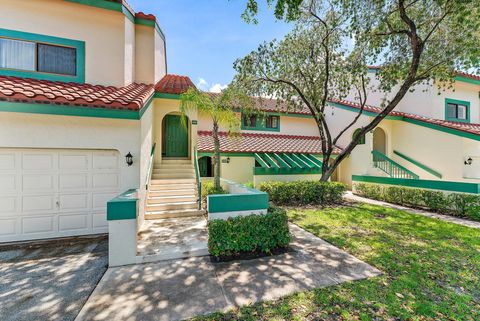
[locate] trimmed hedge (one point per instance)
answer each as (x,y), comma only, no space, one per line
(304,192)
(456,204)
(248,234)
(208,188)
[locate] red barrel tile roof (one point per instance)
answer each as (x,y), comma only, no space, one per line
(131,97)
(260,143)
(173,84)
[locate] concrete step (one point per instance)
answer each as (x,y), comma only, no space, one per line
(163,170)
(172,192)
(172,206)
(166,175)
(173,166)
(174,161)
(172,181)
(171,199)
(153,215)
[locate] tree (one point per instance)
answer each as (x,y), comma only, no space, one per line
(220,108)
(327,55)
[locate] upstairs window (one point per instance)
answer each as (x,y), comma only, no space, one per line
(31,55)
(39,57)
(362,139)
(265,123)
(457,110)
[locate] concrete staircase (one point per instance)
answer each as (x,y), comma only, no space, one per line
(172,191)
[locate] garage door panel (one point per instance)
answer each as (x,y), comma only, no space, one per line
(42,182)
(109,180)
(38,161)
(8,205)
(73,181)
(73,201)
(7,161)
(9,183)
(42,224)
(73,222)
(99,220)
(7,227)
(38,203)
(47,193)
(70,161)
(107,160)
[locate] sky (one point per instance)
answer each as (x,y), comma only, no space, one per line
(205,37)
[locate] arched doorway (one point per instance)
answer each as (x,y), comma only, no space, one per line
(205,166)
(380,140)
(174,136)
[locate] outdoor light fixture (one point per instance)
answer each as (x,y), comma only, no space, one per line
(469,161)
(226,160)
(129,159)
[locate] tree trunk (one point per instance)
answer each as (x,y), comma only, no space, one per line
(216,159)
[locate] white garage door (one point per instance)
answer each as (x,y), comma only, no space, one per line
(48,193)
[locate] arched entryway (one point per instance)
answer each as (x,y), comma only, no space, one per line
(380,140)
(205,166)
(175,136)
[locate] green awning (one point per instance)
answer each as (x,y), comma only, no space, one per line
(286,163)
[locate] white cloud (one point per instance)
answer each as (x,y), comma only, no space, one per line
(216,88)
(202,84)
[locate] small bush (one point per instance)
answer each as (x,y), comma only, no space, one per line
(303,192)
(208,188)
(457,204)
(247,234)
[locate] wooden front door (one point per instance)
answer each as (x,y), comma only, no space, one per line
(176,137)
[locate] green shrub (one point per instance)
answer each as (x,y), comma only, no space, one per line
(303,192)
(208,188)
(457,204)
(253,233)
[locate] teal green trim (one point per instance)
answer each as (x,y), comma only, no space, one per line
(285,171)
(300,161)
(289,160)
(211,154)
(416,163)
(123,207)
(269,159)
(261,161)
(365,112)
(280,160)
(447,130)
(457,102)
(260,124)
(166,96)
(150,23)
(314,159)
(467,80)
(27,36)
(49,109)
(391,167)
(237,202)
(461,187)
(362,139)
(145,107)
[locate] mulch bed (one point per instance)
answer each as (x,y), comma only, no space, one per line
(249,255)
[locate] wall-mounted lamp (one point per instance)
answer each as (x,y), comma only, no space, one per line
(469,161)
(226,160)
(129,159)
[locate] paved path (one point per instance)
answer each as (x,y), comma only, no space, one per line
(350,196)
(181,289)
(50,281)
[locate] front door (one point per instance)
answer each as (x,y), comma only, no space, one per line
(176,137)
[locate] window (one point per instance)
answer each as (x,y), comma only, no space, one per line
(457,110)
(362,139)
(271,122)
(31,56)
(258,122)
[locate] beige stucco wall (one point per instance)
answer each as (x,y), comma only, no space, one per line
(146,142)
(239,170)
(20,130)
(149,55)
(107,34)
(160,57)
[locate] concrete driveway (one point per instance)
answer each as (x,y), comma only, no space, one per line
(50,280)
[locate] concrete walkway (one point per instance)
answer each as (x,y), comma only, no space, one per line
(181,289)
(352,197)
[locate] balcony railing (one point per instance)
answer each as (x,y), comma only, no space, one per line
(392,168)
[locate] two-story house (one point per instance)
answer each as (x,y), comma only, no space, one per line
(88,111)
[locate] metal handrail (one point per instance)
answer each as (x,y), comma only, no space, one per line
(197,175)
(150,166)
(391,167)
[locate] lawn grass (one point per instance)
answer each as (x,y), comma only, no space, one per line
(432,269)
